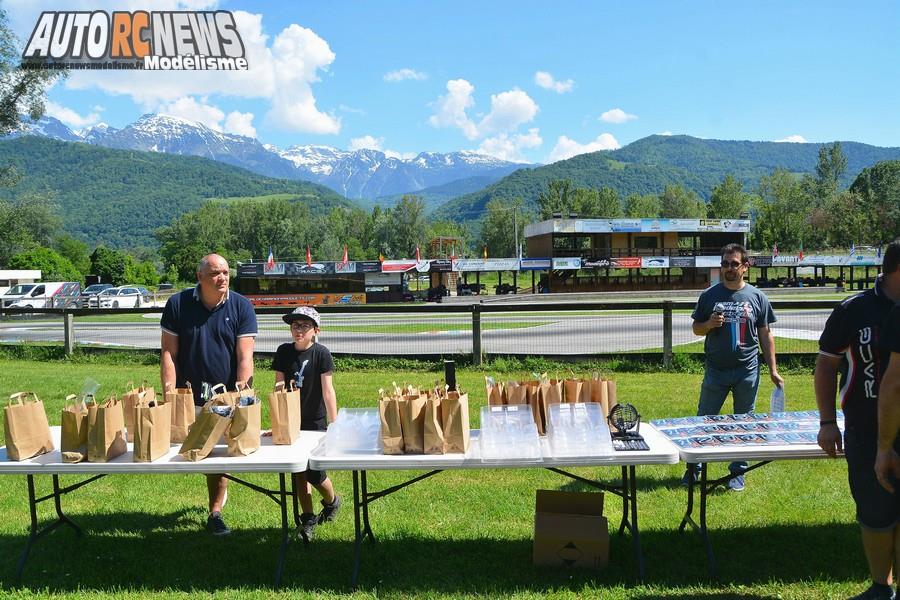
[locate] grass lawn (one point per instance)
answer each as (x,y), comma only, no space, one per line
(460,534)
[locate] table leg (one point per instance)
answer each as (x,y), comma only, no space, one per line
(296,502)
(357,538)
(688,518)
(635,531)
(285,531)
(367,527)
(57,494)
(624,523)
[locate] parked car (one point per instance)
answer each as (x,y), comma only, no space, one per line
(88,294)
(51,294)
(15,293)
(126,296)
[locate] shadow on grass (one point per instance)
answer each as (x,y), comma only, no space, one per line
(159,552)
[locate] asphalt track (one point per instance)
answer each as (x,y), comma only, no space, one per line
(553,333)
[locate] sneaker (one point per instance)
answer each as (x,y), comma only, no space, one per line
(736,483)
(307,529)
(330,511)
(876,591)
(216,525)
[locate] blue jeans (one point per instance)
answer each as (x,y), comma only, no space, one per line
(743,385)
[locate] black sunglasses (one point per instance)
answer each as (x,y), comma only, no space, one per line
(731,263)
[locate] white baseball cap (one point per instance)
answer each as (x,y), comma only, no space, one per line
(302,312)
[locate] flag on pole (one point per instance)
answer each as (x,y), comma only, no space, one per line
(381,256)
(308,257)
(345,259)
(484,253)
(801,250)
(775,249)
(878,252)
(852,248)
(418,259)
(270,262)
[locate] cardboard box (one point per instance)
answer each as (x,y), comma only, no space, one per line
(570,530)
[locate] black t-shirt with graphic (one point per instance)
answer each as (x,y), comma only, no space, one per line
(859,331)
(306,368)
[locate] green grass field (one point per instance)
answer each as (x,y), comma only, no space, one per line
(460,534)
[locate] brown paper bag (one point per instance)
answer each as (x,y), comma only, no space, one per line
(207,430)
(26,427)
(587,387)
(495,392)
(284,413)
(433,428)
(455,419)
(181,402)
(515,393)
(243,434)
(131,398)
(412,421)
(73,430)
(551,393)
(152,423)
(611,394)
(106,430)
(391,429)
(572,390)
(533,399)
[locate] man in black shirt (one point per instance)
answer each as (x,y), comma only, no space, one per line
(857,344)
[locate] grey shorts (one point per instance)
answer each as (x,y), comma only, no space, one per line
(876,509)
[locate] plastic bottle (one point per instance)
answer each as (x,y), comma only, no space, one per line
(776,400)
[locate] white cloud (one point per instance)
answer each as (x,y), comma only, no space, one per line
(617,115)
(509,110)
(350,109)
(450,110)
(567,148)
(366,141)
(548,82)
(405,74)
(70,117)
(793,139)
(511,147)
(282,72)
(191,109)
(400,155)
(240,124)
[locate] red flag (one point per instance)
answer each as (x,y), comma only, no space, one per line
(417,255)
(775,249)
(308,257)
(270,262)
(381,256)
(345,259)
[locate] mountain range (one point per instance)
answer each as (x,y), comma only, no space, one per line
(364,174)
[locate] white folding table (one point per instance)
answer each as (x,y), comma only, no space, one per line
(269,458)
(662,452)
(764,453)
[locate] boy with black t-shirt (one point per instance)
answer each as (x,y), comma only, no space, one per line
(309,364)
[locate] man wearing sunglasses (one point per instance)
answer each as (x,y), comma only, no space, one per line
(734,317)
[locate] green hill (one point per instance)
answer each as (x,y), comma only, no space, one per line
(647,165)
(118,197)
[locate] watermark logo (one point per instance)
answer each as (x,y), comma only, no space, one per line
(150,40)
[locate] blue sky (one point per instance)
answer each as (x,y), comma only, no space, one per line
(522,80)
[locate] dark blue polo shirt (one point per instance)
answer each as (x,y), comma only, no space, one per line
(207,339)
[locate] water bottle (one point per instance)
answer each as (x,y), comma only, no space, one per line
(776,400)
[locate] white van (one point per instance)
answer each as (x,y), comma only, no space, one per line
(16,293)
(52,294)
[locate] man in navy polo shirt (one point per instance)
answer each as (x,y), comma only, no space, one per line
(207,337)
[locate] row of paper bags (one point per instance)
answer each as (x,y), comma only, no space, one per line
(541,392)
(424,422)
(98,432)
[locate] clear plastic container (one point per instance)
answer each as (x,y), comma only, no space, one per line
(355,431)
(776,400)
(509,433)
(576,430)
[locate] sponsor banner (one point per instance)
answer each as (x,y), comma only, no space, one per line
(684,224)
(655,225)
(250,269)
(597,226)
(383,279)
(297,269)
(682,262)
(485,264)
(785,260)
(534,264)
(761,261)
(597,263)
(864,260)
(397,266)
(423,266)
(655,262)
(567,263)
(626,225)
(440,265)
(368,266)
(708,261)
(275,269)
(734,225)
(289,299)
(348,267)
(627,262)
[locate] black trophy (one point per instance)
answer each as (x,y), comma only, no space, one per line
(625,426)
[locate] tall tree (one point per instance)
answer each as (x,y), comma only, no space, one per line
(878,187)
(498,231)
(728,199)
(781,213)
(599,204)
(831,166)
(679,203)
(74,250)
(52,265)
(557,198)
(642,207)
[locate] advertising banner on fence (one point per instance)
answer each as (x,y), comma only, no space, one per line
(397,266)
(486,264)
(368,266)
(655,262)
(534,264)
(708,261)
(597,263)
(627,262)
(383,279)
(682,262)
(307,299)
(347,267)
(440,265)
(761,261)
(567,263)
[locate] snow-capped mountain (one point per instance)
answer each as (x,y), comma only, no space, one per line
(358,174)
